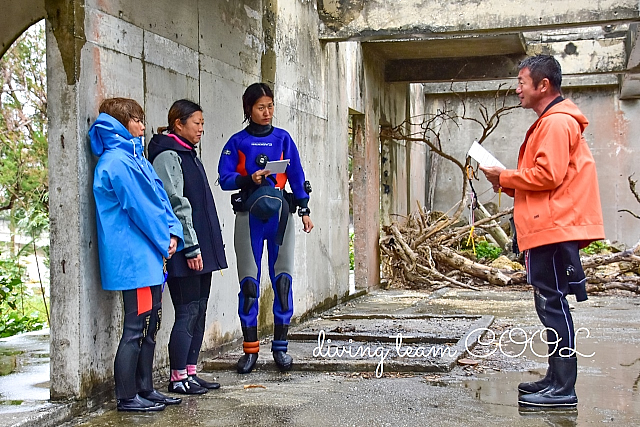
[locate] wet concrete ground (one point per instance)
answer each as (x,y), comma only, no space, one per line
(24,376)
(482,394)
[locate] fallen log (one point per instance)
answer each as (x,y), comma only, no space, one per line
(453,260)
(609,286)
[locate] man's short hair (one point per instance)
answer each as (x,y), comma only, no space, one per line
(543,66)
(122,109)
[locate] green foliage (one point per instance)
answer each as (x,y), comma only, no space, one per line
(483,250)
(10,283)
(23,125)
(13,322)
(486,250)
(24,188)
(597,247)
(352,258)
(20,310)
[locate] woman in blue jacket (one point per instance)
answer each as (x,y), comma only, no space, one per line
(136,229)
(242,167)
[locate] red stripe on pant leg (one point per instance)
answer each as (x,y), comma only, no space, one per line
(145,302)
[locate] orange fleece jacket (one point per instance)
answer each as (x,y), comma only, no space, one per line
(555,188)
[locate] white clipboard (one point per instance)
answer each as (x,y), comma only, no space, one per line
(277,166)
(482,156)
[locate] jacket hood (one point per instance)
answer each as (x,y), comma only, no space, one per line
(107,133)
(160,142)
(568,107)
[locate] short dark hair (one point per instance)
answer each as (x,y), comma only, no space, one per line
(181,110)
(251,95)
(122,109)
(543,66)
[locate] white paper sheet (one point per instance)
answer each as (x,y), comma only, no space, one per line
(277,166)
(482,156)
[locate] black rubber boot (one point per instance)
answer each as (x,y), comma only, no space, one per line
(126,360)
(251,347)
(139,404)
(561,393)
(157,397)
(144,371)
(534,387)
(247,362)
(279,348)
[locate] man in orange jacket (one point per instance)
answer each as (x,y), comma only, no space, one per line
(556,212)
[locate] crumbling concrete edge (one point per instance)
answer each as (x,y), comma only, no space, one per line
(56,413)
(470,339)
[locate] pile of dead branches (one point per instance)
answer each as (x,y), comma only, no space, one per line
(424,251)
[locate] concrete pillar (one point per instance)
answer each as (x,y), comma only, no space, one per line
(74,269)
(366,207)
(69,219)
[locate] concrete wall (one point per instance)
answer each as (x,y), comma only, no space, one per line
(404,162)
(208,52)
(610,134)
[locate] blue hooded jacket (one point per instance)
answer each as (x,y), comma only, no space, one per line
(135,220)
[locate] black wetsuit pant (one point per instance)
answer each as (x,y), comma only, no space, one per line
(133,365)
(190,296)
(550,270)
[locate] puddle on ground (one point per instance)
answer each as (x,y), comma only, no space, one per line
(608,394)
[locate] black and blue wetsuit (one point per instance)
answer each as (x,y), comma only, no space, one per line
(237,163)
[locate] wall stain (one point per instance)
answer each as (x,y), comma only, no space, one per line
(67,24)
(268,60)
(339,13)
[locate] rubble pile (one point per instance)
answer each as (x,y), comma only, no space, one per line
(430,250)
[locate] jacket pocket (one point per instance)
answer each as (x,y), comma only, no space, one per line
(538,214)
(563,208)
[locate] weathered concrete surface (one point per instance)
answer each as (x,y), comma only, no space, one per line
(576,57)
(607,384)
(207,52)
(458,69)
(363,20)
(383,104)
(381,332)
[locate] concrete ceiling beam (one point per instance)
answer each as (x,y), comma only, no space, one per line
(377,19)
(452,69)
(568,82)
(585,56)
(577,57)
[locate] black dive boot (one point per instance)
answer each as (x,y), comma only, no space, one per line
(251,347)
(561,393)
(211,385)
(534,387)
(279,347)
(139,404)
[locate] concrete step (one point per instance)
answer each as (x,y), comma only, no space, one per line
(356,340)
